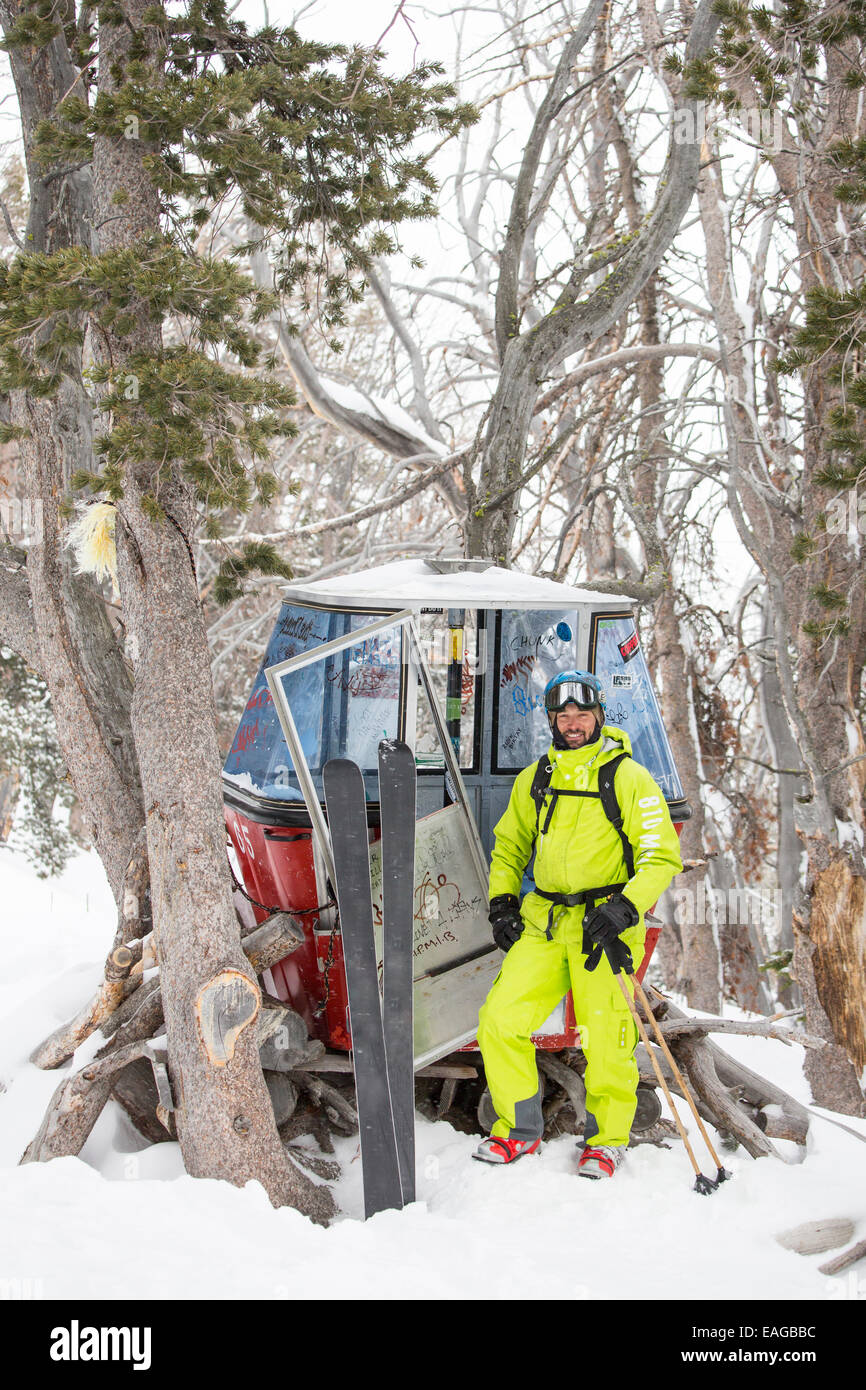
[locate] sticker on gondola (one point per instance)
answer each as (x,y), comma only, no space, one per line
(629,647)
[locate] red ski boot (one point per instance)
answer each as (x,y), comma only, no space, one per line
(600,1162)
(494,1150)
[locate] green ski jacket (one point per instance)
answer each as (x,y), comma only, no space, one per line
(581,848)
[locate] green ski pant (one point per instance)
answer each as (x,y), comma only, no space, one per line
(535,975)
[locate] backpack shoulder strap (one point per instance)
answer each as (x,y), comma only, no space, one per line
(540,782)
(611,807)
(538,790)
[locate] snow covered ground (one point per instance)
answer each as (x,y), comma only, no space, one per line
(124,1221)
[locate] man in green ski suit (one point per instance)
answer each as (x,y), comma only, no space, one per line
(550,943)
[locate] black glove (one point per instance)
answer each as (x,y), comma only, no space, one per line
(505,918)
(619,956)
(604,923)
(601,932)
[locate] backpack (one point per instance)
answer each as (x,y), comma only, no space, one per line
(606,794)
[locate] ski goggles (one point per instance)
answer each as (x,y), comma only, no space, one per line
(571,692)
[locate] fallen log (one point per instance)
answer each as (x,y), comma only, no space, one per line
(137,1017)
(76,1106)
(59,1047)
(283,1040)
(850,1257)
(728,1114)
(283,1093)
(753,1088)
(135,1089)
(760,1028)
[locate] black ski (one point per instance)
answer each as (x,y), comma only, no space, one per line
(397,810)
(347,819)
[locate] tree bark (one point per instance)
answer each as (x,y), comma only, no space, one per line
(819,680)
(70,641)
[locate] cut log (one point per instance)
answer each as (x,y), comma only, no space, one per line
(283,1041)
(57,1049)
(272,941)
(144,951)
(814,1237)
(777,1125)
(284,1095)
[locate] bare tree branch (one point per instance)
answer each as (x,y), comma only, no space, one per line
(507,308)
(625,357)
(385,504)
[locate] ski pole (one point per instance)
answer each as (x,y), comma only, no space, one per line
(722,1174)
(703,1184)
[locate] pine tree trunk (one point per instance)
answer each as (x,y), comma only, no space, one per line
(210,996)
(72,642)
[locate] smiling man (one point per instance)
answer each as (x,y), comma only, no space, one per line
(605,848)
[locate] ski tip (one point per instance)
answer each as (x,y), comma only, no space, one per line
(393,745)
(338,771)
